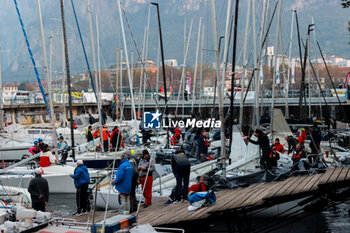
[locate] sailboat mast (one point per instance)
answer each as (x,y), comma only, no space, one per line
(289,66)
(256,118)
(233,71)
(127,62)
(276,70)
(317,73)
(1,94)
(221,81)
(68,77)
(245,64)
(47,76)
(196,64)
(117,82)
(201,70)
(146,58)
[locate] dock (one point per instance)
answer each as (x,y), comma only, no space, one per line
(254,197)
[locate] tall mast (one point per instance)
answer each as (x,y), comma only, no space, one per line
(183,80)
(220,83)
(276,71)
(127,62)
(256,120)
(146,58)
(317,73)
(309,77)
(121,84)
(289,66)
(158,66)
(117,83)
(141,72)
(201,70)
(63,86)
(1,94)
(68,77)
(47,76)
(92,41)
(163,68)
(99,89)
(245,63)
(196,64)
(233,71)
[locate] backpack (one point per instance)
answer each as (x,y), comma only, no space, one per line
(200,199)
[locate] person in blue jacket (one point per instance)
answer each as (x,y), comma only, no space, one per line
(123,182)
(81,178)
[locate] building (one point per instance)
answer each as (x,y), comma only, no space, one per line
(171,62)
(10,86)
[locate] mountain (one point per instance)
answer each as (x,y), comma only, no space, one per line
(330,19)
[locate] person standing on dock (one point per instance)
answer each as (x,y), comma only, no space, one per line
(203,145)
(181,167)
(264,143)
(123,181)
(39,191)
(105,136)
(81,178)
(146,168)
(89,136)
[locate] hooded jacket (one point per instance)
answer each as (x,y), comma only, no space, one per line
(123,177)
(38,186)
(81,176)
(145,163)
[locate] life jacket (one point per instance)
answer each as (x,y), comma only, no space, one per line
(97,134)
(206,142)
(302,136)
(105,134)
(177,131)
(174,140)
(44,161)
(296,155)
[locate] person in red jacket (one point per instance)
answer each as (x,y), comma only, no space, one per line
(302,136)
(201,186)
(279,146)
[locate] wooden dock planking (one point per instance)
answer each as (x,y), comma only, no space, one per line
(301,187)
(312,185)
(87,218)
(326,176)
(255,195)
(343,174)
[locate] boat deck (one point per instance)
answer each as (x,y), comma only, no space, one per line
(254,197)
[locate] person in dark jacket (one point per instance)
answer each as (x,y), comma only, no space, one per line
(91,119)
(264,143)
(81,178)
(116,139)
(203,144)
(146,167)
(39,191)
(123,182)
(89,136)
(181,167)
(316,138)
(274,156)
(135,163)
(292,142)
(42,145)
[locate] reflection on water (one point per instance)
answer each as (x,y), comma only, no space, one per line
(334,218)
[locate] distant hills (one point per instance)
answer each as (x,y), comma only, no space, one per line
(330,18)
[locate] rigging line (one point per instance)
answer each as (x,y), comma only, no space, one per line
(33,61)
(262,45)
(84,50)
(138,53)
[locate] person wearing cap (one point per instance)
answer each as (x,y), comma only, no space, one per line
(63,148)
(81,178)
(39,191)
(123,182)
(105,136)
(146,168)
(35,149)
(116,139)
(42,145)
(264,143)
